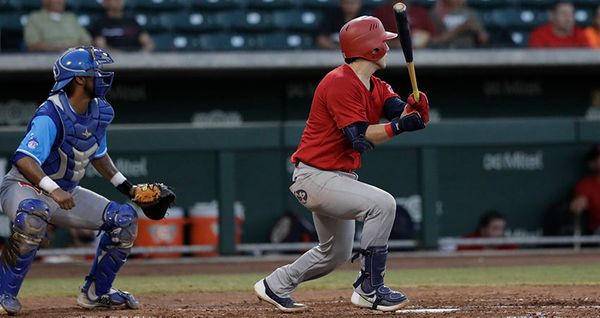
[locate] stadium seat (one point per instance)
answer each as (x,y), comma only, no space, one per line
(476,4)
(584,17)
(520,38)
(283,41)
(373,3)
(13,21)
(7,5)
(586,4)
(150,22)
(318,4)
(27,5)
(425,3)
(300,20)
(154,5)
(245,20)
(229,42)
(86,20)
(269,4)
(544,4)
(85,5)
(214,4)
(170,42)
(513,18)
(190,21)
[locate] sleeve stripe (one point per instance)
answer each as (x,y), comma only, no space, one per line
(30,155)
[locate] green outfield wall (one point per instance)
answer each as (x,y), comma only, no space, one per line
(446,175)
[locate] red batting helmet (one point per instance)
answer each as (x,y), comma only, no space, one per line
(365,37)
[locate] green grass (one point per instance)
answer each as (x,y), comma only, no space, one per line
(582,274)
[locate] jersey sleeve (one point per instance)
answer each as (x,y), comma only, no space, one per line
(102,149)
(345,104)
(38,141)
(387,91)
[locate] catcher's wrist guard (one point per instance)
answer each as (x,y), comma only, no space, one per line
(125,188)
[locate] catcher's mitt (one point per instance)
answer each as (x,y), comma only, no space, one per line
(154,199)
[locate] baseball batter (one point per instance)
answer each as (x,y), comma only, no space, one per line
(66,133)
(343,124)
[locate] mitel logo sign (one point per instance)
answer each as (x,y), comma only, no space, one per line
(513,160)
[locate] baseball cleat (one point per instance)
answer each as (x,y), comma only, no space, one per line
(114,299)
(10,304)
(285,304)
(382,299)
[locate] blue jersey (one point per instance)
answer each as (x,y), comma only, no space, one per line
(63,142)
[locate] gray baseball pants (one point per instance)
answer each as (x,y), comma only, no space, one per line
(336,200)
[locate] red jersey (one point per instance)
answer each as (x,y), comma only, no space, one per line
(589,187)
(340,100)
(544,37)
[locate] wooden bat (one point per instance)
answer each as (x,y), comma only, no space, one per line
(406,42)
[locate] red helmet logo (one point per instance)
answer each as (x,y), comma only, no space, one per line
(365,37)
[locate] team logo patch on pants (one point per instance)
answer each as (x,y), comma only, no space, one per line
(301,195)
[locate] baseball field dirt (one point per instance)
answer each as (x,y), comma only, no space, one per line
(470,295)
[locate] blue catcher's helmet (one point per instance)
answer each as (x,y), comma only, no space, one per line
(83,61)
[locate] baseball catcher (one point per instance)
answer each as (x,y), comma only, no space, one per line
(68,132)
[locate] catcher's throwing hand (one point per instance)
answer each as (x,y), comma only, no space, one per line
(154,199)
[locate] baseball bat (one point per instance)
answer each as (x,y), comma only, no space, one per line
(406,42)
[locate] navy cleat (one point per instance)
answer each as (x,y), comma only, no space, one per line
(115,298)
(10,304)
(383,299)
(369,289)
(285,304)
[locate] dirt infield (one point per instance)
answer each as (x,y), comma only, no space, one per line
(525,301)
(576,301)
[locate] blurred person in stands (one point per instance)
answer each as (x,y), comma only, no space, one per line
(421,25)
(492,224)
(329,30)
(119,32)
(51,29)
(587,193)
(457,26)
(561,31)
(592,32)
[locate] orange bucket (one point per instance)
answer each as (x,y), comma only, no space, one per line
(204,219)
(166,232)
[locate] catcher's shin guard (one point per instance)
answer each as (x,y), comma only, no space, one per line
(369,288)
(120,230)
(29,228)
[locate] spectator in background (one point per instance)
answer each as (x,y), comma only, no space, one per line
(561,31)
(457,26)
(117,32)
(328,36)
(587,192)
(421,25)
(492,224)
(53,30)
(592,32)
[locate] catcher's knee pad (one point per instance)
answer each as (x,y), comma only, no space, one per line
(120,223)
(29,228)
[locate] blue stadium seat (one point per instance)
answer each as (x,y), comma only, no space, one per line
(283,41)
(545,4)
(514,18)
(214,4)
(171,42)
(269,4)
(86,20)
(318,4)
(477,4)
(520,38)
(150,22)
(425,3)
(300,20)
(27,5)
(229,42)
(584,17)
(85,5)
(154,5)
(7,5)
(245,20)
(190,21)
(13,21)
